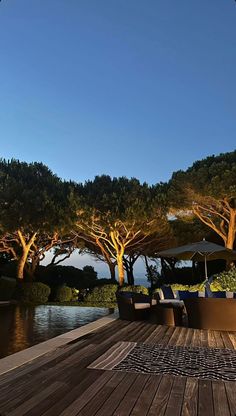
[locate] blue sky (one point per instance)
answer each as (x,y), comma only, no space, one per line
(123,87)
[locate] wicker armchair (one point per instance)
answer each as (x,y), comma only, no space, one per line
(133,306)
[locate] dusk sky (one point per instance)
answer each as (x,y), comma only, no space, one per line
(123,87)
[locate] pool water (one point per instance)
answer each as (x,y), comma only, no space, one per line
(24,326)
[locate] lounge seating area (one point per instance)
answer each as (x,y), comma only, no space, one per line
(200,310)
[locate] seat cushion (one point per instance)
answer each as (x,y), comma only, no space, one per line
(142,305)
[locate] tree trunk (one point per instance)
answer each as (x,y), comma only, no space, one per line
(21,265)
(148,271)
(121,272)
(130,277)
(112,267)
(25,251)
(31,268)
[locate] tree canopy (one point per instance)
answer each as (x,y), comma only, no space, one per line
(36,210)
(120,216)
(208,191)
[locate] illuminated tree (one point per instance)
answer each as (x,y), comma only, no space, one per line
(207,190)
(119,216)
(36,210)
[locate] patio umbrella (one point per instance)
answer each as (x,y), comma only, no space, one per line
(200,251)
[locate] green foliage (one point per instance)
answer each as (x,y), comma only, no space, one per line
(7,288)
(75,293)
(214,177)
(64,294)
(68,276)
(135,289)
(35,292)
(106,293)
(153,275)
(190,288)
(33,198)
(225,281)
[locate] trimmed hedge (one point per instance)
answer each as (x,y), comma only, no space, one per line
(35,292)
(7,288)
(64,294)
(190,288)
(106,293)
(135,289)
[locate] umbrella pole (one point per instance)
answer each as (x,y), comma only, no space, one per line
(206,268)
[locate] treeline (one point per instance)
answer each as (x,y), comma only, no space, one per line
(116,220)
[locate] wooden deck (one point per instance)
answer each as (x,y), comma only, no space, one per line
(60,383)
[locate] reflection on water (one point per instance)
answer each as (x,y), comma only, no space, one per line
(24,326)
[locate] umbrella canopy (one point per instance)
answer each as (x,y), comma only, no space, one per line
(200,251)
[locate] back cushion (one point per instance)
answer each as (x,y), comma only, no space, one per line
(167,291)
(126,294)
(219,294)
(185,294)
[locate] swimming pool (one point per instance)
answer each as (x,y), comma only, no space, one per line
(24,326)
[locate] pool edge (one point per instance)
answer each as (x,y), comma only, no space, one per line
(29,354)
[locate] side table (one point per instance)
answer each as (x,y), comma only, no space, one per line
(167,314)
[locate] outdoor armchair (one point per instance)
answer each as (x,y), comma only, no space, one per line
(133,306)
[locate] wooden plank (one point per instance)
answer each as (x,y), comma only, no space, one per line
(231,395)
(203,338)
(211,339)
(145,333)
(218,339)
(37,398)
(159,335)
(161,397)
(74,408)
(102,396)
(226,340)
(232,337)
(129,400)
(190,401)
(168,334)
(174,337)
(189,336)
(76,388)
(205,404)
(196,340)
(221,406)
(111,404)
(146,397)
(182,336)
(157,329)
(175,401)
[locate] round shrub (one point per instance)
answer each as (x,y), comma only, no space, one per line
(35,292)
(64,294)
(106,293)
(135,289)
(7,288)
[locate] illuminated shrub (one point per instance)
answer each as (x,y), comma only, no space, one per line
(106,293)
(35,292)
(64,294)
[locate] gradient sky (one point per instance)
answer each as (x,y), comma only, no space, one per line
(139,88)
